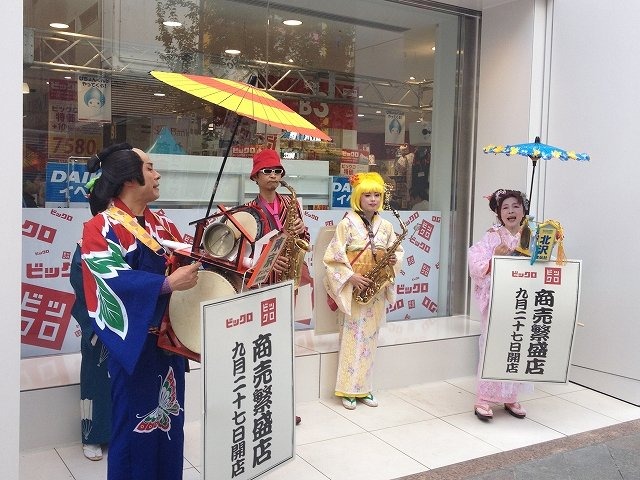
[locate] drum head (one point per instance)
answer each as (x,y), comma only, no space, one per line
(218,240)
(184,306)
(250,220)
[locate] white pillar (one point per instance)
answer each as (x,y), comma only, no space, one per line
(10,235)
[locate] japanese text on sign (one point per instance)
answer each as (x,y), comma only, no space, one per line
(238,434)
(262,417)
(540,329)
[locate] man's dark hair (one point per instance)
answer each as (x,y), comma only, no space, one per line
(118,164)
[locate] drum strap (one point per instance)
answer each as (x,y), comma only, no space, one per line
(134,228)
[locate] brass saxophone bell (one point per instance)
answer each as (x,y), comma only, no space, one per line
(295,248)
(381,274)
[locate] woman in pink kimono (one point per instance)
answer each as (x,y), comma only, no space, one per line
(503,238)
(361,240)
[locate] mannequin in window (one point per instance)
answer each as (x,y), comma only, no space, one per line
(33,191)
(420,169)
(417,199)
(404,160)
(402,170)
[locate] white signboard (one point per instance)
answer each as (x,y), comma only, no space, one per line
(247,360)
(532,316)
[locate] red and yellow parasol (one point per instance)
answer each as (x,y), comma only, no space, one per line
(243,99)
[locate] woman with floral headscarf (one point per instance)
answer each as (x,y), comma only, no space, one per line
(504,238)
(360,241)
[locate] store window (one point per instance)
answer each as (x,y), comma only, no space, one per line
(391,82)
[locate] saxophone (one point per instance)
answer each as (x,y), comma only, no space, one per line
(382,273)
(295,248)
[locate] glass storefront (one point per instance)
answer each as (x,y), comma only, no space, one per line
(393,83)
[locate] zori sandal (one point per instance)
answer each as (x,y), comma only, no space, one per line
(515,409)
(483,411)
(349,403)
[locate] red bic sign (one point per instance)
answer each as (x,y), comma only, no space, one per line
(45,316)
(242,319)
(268,311)
(425,230)
(553,276)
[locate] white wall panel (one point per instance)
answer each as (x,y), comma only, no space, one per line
(10,234)
(593,107)
(503,107)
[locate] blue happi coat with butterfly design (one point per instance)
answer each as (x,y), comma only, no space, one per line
(122,283)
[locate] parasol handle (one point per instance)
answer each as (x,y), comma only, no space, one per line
(224,161)
(253,80)
(534,161)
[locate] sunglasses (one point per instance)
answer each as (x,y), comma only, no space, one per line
(269,171)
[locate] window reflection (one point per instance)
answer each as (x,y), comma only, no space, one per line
(363,71)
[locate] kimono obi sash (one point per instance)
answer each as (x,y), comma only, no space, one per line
(362,261)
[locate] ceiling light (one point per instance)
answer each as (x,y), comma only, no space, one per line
(58,25)
(158,94)
(292,22)
(25,87)
(433,48)
(232,51)
(290,60)
(412,78)
(378,111)
(360,96)
(67,78)
(361,114)
(171,23)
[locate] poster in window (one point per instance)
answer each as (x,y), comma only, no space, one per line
(394,128)
(94,98)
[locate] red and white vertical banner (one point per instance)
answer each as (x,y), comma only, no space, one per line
(49,237)
(247,359)
(533,312)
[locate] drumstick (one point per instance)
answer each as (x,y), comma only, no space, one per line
(173,245)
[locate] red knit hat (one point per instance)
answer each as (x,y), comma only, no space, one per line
(266,159)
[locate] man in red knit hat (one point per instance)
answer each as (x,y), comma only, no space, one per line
(267,172)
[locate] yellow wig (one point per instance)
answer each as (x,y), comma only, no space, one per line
(365,183)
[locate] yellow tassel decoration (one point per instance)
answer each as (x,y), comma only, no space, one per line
(561,257)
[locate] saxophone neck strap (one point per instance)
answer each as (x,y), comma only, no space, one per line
(371,234)
(272,212)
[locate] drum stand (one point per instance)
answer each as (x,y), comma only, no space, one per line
(233,267)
